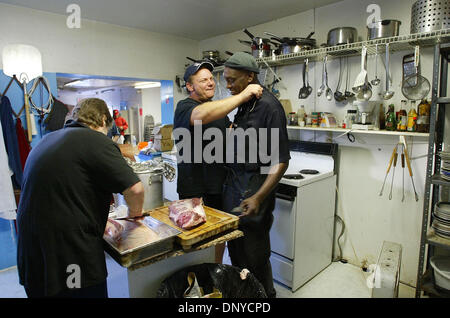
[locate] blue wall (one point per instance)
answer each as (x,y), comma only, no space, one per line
(8,244)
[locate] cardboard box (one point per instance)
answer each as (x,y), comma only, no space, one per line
(163,132)
(163,144)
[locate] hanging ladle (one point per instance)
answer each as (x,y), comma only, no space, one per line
(328,92)
(376,81)
(310,89)
(339,96)
(303,93)
(387,94)
(348,94)
(322,87)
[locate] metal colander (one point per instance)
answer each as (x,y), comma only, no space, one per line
(430,15)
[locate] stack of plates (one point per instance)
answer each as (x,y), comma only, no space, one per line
(441,222)
(445,165)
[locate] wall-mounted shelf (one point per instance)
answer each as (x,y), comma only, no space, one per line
(368,132)
(396,43)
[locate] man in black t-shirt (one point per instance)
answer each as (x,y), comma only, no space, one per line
(68,182)
(251,184)
(196,178)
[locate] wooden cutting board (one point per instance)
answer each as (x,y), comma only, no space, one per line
(216,222)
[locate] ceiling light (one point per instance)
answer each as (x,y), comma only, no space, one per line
(143,85)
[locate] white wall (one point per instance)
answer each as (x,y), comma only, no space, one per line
(151,103)
(369,218)
(96,48)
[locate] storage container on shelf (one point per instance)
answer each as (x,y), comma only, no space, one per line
(441,267)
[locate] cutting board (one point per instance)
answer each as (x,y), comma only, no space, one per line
(216,222)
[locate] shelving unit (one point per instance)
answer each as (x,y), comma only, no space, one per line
(396,44)
(429,239)
(367,132)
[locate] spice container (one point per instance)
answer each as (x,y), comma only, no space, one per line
(315,119)
(402,117)
(423,116)
(412,117)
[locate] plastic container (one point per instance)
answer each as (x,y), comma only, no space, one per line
(441,267)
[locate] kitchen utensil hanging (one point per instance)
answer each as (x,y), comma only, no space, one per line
(415,86)
(44,108)
(387,94)
(303,92)
(338,95)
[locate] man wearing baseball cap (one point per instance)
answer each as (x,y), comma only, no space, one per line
(203,179)
(252,185)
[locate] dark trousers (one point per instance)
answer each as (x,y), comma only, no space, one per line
(96,291)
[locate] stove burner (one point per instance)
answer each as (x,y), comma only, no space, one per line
(309,171)
(293,176)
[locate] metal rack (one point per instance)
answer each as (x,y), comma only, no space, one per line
(396,44)
(429,239)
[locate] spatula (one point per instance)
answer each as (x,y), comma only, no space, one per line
(361,78)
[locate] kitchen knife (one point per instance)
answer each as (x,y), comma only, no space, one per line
(145,213)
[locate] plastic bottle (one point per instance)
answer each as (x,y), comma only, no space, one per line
(423,118)
(412,117)
(402,117)
(301,114)
(390,118)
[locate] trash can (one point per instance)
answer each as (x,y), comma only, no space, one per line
(210,276)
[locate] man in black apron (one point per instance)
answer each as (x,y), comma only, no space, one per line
(251,184)
(202,179)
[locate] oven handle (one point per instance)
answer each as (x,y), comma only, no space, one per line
(285,197)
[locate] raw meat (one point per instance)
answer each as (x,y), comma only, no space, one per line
(126,235)
(187,213)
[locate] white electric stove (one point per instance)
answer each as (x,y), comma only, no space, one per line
(302,232)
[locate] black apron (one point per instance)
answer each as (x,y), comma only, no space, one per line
(252,251)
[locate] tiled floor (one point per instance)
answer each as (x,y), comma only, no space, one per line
(336,281)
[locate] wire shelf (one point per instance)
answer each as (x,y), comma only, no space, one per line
(396,44)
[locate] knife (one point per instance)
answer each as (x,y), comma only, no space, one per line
(145,213)
(237,211)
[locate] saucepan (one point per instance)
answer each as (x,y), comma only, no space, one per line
(384,29)
(289,45)
(260,46)
(342,35)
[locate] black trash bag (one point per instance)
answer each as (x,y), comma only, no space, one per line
(225,278)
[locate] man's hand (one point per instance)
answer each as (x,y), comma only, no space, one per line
(250,206)
(250,91)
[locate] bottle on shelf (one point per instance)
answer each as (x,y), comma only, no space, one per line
(390,118)
(382,117)
(301,113)
(423,116)
(412,117)
(402,117)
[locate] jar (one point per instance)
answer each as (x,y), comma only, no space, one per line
(315,119)
(350,118)
(292,119)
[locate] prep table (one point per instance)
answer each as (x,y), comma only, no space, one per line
(145,275)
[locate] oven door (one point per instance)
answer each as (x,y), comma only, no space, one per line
(282,233)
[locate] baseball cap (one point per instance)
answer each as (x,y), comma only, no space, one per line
(242,61)
(115,111)
(192,69)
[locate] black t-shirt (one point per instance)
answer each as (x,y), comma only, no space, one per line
(66,192)
(198,178)
(267,113)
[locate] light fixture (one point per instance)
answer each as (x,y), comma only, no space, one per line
(143,85)
(25,63)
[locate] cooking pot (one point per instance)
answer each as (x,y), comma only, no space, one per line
(384,29)
(293,45)
(152,181)
(260,46)
(342,35)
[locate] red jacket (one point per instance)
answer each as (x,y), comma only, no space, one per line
(122,124)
